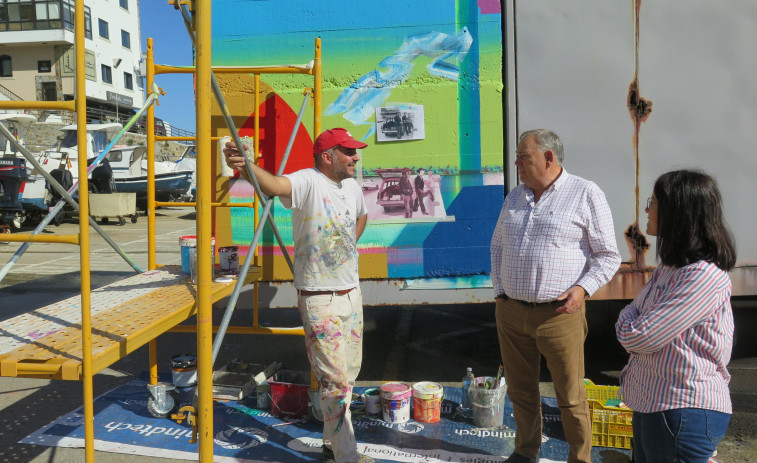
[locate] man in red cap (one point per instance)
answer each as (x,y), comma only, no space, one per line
(328,216)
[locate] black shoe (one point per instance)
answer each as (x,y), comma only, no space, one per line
(518,458)
(327,456)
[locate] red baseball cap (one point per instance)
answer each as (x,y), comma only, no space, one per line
(333,137)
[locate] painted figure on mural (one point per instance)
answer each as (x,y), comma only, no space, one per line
(421,191)
(328,216)
(407,192)
(679,329)
(553,246)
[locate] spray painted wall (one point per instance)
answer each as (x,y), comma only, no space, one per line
(636,89)
(421,83)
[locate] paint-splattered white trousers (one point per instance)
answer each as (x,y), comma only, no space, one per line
(334,340)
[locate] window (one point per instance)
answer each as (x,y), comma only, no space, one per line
(124,4)
(17,15)
(106,74)
(103,26)
(87,23)
(68,17)
(6,70)
(44,66)
(128,81)
(125,39)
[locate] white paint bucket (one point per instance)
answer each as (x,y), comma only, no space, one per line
(372,400)
(395,402)
(184,370)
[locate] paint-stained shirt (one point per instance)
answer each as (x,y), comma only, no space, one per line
(324,219)
(541,249)
(679,332)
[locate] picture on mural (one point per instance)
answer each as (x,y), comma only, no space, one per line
(403,122)
(404,193)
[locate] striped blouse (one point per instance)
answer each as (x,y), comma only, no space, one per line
(679,332)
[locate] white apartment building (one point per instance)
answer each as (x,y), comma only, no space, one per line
(37,52)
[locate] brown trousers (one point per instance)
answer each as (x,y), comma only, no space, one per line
(526,332)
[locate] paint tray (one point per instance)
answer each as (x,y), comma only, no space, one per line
(239,379)
(234,385)
(289,393)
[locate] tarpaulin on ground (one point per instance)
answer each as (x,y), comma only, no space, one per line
(246,434)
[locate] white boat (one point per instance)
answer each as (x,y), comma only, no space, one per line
(13,171)
(129,165)
(18,124)
(123,169)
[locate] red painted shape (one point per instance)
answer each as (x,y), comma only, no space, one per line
(276,124)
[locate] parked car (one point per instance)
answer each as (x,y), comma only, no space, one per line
(390,194)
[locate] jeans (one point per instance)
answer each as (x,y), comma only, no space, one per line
(683,435)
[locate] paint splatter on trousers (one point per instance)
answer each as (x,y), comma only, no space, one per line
(334,341)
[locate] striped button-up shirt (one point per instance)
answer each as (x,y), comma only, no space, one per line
(679,332)
(541,249)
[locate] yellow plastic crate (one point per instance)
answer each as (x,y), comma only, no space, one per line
(600,394)
(610,426)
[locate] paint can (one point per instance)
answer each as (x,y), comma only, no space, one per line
(395,402)
(185,243)
(488,404)
(184,370)
(427,401)
(263,396)
(229,257)
(372,400)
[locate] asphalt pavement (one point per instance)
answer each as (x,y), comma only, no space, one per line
(405,343)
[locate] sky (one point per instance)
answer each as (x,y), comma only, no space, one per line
(171,46)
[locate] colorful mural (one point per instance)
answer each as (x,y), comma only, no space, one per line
(442,56)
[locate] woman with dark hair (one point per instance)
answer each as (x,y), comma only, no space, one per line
(679,329)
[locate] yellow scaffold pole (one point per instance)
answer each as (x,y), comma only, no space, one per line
(86,317)
(204,217)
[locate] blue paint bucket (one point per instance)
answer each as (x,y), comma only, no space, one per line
(186,242)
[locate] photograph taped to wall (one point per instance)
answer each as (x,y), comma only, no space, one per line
(400,122)
(401,194)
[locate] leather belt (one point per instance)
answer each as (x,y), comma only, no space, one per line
(342,292)
(526,303)
(530,304)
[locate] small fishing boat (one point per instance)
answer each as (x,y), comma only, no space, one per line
(129,165)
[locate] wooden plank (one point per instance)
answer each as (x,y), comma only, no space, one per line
(125,315)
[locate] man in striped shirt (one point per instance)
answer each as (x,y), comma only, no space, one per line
(553,246)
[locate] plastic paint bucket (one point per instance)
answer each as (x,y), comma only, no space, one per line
(372,400)
(184,370)
(427,401)
(229,257)
(488,404)
(186,242)
(395,402)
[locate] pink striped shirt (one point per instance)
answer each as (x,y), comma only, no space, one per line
(541,249)
(679,332)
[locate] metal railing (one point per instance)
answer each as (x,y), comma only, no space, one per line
(7,92)
(96,115)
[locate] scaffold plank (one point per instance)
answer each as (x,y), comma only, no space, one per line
(125,315)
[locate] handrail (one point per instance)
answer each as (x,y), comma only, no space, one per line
(163,69)
(9,93)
